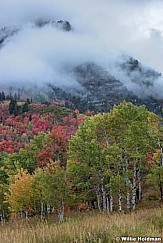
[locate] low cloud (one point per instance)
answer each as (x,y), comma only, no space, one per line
(102,31)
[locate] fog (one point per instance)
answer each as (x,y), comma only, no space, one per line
(102,32)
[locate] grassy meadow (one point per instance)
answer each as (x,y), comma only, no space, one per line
(89,227)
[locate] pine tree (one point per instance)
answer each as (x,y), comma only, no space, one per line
(26,107)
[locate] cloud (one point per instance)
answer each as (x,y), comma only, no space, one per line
(102,31)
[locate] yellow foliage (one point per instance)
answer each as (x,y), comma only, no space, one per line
(19,196)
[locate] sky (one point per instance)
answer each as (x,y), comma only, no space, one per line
(102,31)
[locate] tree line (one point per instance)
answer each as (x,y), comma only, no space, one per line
(105,164)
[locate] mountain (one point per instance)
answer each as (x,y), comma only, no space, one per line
(100,90)
(98,87)
(7,32)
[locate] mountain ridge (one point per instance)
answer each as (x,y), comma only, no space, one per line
(98,86)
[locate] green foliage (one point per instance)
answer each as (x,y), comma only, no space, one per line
(26,157)
(3,190)
(38,186)
(104,142)
(56,190)
(156,174)
(50,187)
(103,155)
(26,107)
(3,174)
(13,107)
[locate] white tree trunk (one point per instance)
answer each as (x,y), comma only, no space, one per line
(42,211)
(61,212)
(127,187)
(3,216)
(103,193)
(104,200)
(139,185)
(128,201)
(98,200)
(134,188)
(21,214)
(107,204)
(111,201)
(48,210)
(26,215)
(120,201)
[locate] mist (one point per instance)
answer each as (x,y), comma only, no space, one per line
(102,32)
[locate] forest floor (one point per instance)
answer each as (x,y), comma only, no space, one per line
(90,227)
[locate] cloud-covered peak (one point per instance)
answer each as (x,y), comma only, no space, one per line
(39,50)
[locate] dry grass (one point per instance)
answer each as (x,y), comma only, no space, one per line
(92,228)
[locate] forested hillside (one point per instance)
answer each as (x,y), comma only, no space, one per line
(81,130)
(55,160)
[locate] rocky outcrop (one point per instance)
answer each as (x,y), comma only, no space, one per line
(103,90)
(138,73)
(7,32)
(98,88)
(63,25)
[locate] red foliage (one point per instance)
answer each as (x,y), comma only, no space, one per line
(44,156)
(15,132)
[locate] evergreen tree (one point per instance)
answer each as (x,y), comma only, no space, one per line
(25,107)
(3,95)
(15,97)
(13,107)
